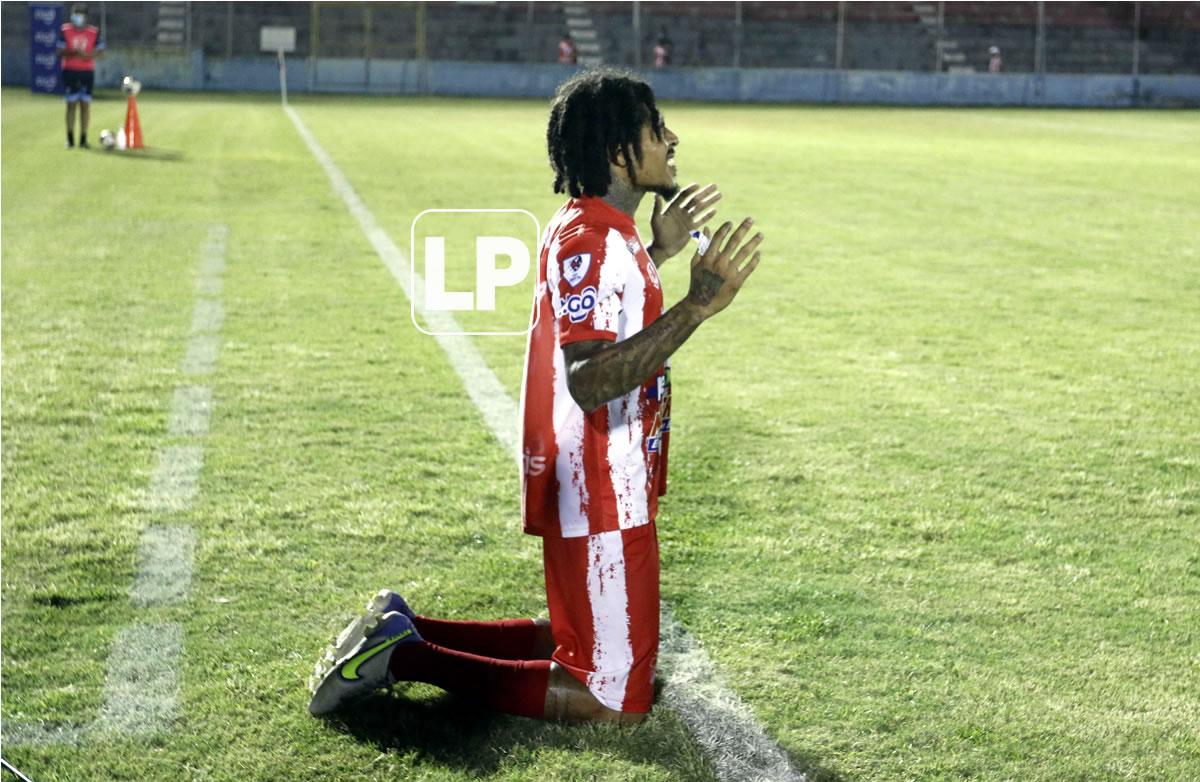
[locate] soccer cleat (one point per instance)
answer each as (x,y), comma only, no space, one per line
(357,664)
(384,602)
(84,145)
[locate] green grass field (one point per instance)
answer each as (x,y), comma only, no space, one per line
(935,475)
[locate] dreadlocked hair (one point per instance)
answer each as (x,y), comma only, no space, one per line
(595,115)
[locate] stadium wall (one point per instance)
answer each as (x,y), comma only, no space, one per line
(411,77)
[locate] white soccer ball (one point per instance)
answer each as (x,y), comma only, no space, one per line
(108,139)
(130,86)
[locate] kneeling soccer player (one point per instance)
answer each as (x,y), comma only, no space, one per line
(596,410)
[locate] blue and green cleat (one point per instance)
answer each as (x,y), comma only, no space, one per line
(357,663)
(384,602)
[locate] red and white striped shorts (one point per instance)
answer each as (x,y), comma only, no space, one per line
(603,596)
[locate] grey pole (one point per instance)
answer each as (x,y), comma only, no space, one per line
(1137,27)
(229,30)
(367,24)
(637,34)
(840,53)
(1039,46)
(530,55)
(737,34)
(941,32)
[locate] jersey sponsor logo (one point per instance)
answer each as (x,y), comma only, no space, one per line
(575,268)
(661,390)
(534,465)
(578,305)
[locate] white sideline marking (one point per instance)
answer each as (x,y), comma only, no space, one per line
(38,734)
(481,383)
(165,574)
(721,723)
(142,686)
(209,315)
(142,689)
(201,355)
(209,286)
(719,720)
(174,481)
(212,256)
(191,409)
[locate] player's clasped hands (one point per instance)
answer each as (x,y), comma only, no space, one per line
(719,272)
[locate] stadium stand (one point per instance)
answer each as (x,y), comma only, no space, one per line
(1081,37)
(494,32)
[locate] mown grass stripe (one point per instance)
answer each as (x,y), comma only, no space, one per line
(736,743)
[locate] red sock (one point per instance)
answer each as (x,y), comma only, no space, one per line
(512,686)
(510,639)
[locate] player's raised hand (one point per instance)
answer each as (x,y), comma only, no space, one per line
(718,273)
(673,223)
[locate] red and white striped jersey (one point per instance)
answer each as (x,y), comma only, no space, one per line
(585,473)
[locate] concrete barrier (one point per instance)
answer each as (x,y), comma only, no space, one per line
(410,77)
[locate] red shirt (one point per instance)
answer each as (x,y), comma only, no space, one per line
(566,52)
(586,473)
(79,39)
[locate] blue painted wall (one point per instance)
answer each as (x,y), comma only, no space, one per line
(409,77)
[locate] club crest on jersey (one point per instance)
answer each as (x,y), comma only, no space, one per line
(578,305)
(575,268)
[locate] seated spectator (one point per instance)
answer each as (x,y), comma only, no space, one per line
(662,49)
(996,63)
(568,54)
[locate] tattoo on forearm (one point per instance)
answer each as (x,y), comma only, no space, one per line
(599,372)
(705,287)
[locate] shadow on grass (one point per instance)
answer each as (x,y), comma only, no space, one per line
(456,732)
(145,153)
(459,733)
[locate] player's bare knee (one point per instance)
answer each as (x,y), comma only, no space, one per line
(569,700)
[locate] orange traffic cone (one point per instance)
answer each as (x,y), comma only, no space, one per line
(133,128)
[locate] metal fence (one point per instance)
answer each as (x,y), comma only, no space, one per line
(1032,37)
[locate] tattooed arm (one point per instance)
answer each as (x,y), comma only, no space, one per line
(598,371)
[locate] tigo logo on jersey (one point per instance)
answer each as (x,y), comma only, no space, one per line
(575,268)
(578,305)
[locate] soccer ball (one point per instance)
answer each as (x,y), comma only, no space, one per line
(107,139)
(130,86)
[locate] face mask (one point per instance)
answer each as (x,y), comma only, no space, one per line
(77,20)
